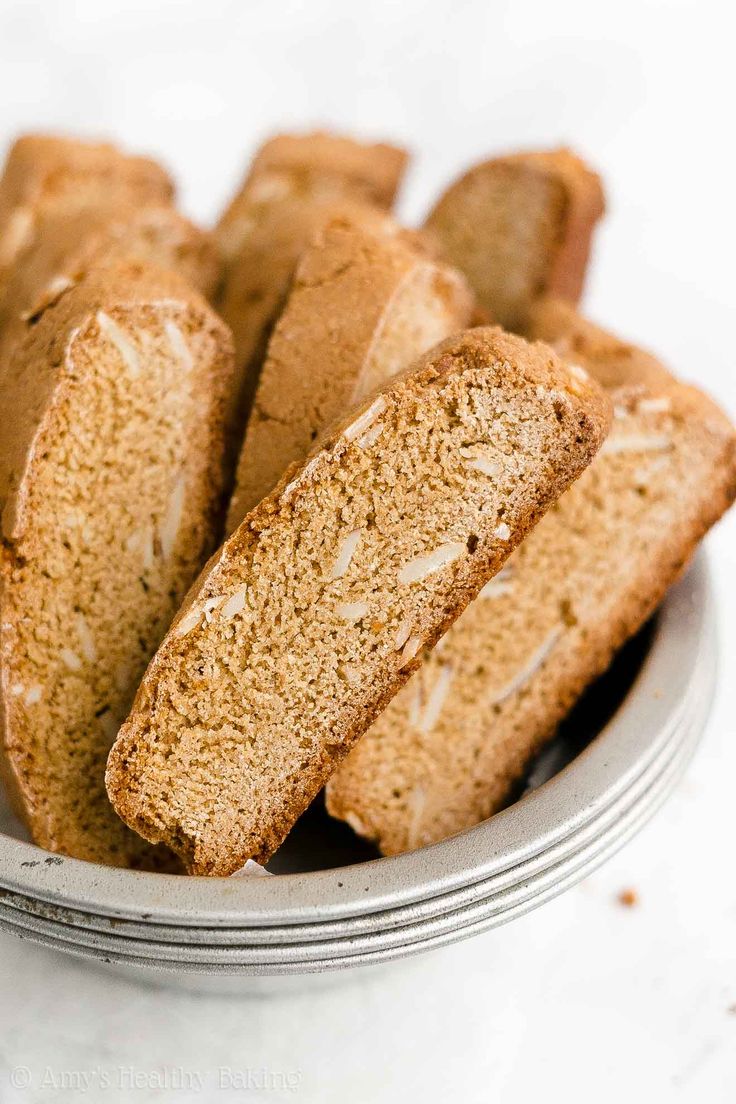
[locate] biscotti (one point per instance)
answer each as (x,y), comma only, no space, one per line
(453,744)
(313,613)
(520,227)
(42,172)
(258,281)
(362,306)
(110,484)
(68,244)
(319,167)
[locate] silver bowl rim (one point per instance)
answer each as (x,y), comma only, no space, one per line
(497,905)
(542,820)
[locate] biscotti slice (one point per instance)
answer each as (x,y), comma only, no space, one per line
(520,227)
(362,306)
(452,745)
(612,362)
(319,167)
(68,244)
(110,482)
(44,171)
(257,283)
(312,614)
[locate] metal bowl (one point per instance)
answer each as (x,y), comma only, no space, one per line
(336,905)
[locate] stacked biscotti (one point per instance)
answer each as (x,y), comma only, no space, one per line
(118,376)
(365,301)
(438,533)
(314,612)
(45,173)
(294,186)
(450,748)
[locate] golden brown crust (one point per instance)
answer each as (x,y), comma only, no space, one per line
(580,585)
(613,362)
(258,282)
(317,166)
(585,205)
(364,302)
(520,227)
(44,171)
(67,244)
(157,747)
(71,579)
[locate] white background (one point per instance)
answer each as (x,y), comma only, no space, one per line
(584,1000)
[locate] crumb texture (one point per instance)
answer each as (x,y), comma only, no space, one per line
(313,613)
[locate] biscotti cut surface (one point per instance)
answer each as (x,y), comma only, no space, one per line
(319,167)
(312,614)
(451,746)
(66,245)
(362,306)
(43,171)
(110,481)
(520,227)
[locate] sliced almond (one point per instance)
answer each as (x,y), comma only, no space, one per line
(403,632)
(371,436)
(89,650)
(428,563)
(659,405)
(352,611)
(366,419)
(436,699)
(71,659)
(345,554)
(235,604)
(189,621)
(178,343)
(530,668)
(637,442)
(121,341)
(410,649)
(34,695)
(417,804)
(168,529)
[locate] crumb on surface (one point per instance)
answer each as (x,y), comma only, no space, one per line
(628,898)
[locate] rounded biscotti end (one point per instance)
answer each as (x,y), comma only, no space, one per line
(520,226)
(538,363)
(374,169)
(39,161)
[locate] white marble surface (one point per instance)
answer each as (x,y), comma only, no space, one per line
(584,997)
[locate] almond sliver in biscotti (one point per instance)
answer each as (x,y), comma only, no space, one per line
(452,745)
(313,613)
